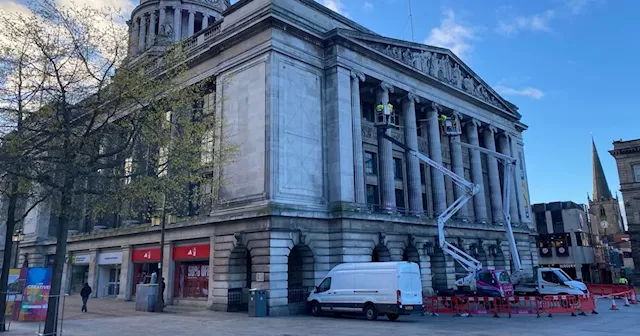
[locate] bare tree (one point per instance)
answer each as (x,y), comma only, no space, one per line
(97,140)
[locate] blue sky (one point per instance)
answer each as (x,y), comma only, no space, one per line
(568,64)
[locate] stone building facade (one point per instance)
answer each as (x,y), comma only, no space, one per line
(312,185)
(627,155)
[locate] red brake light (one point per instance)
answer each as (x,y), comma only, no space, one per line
(399,296)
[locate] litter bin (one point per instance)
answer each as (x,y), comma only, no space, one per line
(258,303)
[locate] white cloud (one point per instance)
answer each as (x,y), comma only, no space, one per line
(536,22)
(334,5)
(527,92)
(578,6)
(367,5)
(452,34)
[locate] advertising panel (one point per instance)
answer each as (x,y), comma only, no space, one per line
(36,294)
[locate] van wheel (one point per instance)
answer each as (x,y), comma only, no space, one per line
(392,317)
(370,312)
(315,308)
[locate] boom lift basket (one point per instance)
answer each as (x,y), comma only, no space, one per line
(451,127)
(386,117)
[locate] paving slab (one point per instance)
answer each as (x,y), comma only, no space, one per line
(119,318)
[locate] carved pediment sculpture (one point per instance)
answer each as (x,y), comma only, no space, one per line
(441,67)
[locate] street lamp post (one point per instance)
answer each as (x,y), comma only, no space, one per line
(17,237)
(159,307)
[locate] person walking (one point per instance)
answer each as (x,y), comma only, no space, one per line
(84,293)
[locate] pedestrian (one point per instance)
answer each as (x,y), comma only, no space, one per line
(84,293)
(162,285)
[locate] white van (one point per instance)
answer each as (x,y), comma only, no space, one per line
(374,288)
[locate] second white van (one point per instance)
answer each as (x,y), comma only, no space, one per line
(373,289)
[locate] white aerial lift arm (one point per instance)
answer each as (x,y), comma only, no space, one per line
(384,121)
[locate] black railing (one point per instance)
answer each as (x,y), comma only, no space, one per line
(236,301)
(295,295)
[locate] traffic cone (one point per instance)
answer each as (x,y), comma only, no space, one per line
(613,304)
(626,301)
(634,298)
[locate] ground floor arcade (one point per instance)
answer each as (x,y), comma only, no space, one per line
(216,265)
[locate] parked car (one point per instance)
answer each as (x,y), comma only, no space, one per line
(372,289)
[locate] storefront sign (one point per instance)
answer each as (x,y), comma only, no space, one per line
(81,259)
(36,295)
(110,258)
(146,255)
(191,252)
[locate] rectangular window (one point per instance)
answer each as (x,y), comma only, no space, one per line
(397,169)
(372,194)
(423,174)
(370,163)
(128,170)
(207,147)
(541,222)
(424,202)
(579,240)
(636,172)
(400,198)
(368,112)
(556,219)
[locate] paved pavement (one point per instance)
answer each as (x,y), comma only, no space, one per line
(110,317)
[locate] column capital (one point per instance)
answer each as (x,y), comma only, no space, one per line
(490,128)
(436,107)
(412,97)
(459,115)
(386,86)
(472,122)
(357,75)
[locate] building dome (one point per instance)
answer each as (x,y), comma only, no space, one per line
(161,22)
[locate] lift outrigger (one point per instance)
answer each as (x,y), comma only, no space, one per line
(385,119)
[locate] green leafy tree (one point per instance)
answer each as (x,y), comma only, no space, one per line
(95,141)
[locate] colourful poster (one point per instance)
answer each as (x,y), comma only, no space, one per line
(36,294)
(15,289)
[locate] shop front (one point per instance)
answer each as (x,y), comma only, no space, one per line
(109,264)
(145,263)
(79,272)
(191,271)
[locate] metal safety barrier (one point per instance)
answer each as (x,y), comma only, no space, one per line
(517,305)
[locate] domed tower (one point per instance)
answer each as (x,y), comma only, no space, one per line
(161,22)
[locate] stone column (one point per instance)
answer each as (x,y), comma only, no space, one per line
(162,18)
(356,122)
(458,167)
(503,143)
(494,175)
(479,202)
(92,277)
(192,23)
(66,275)
(134,33)
(168,271)
(338,119)
(126,275)
(210,297)
(413,164)
(435,150)
(152,29)
(142,33)
(177,23)
(205,21)
(386,181)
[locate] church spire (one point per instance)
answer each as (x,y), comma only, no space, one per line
(600,185)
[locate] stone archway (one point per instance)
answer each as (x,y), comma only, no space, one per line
(300,274)
(240,277)
(380,254)
(411,254)
(438,271)
(499,259)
